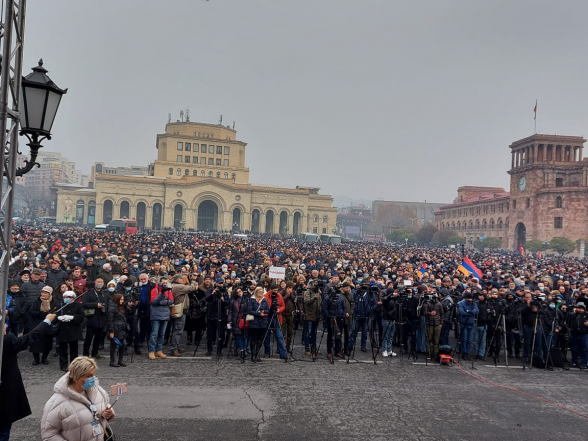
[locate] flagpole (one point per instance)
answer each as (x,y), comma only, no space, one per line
(535,117)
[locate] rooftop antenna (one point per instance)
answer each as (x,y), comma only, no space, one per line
(187,115)
(182,115)
(233,124)
(220,121)
(169,118)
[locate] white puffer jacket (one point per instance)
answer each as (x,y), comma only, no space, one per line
(67,417)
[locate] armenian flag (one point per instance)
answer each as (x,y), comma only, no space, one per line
(470,268)
(423,269)
(521,249)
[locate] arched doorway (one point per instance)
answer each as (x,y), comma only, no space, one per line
(520,235)
(296,224)
(91,212)
(141,210)
(80,205)
(107,211)
(237,219)
(283,223)
(178,212)
(207,216)
(269,222)
(125,209)
(156,219)
(255,217)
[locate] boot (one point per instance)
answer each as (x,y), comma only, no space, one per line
(35,359)
(160,354)
(151,356)
(112,363)
(121,363)
(242,356)
(175,353)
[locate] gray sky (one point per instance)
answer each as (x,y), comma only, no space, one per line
(367,99)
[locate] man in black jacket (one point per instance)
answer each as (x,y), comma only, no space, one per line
(579,333)
(14,404)
(95,303)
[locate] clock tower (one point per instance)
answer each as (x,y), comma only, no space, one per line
(548,189)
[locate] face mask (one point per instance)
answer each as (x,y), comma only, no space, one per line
(233,274)
(38,256)
(359,280)
(89,383)
(116,278)
(135,266)
(148,250)
(115,260)
(142,283)
(541,298)
(552,306)
(67,300)
(111,289)
(128,288)
(542,288)
(99,286)
(144,260)
(25,258)
(224,270)
(64,255)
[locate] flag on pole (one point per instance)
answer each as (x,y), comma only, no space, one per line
(535,110)
(470,267)
(521,249)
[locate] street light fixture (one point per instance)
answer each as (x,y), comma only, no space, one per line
(40,98)
(406,240)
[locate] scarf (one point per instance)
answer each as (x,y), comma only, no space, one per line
(46,304)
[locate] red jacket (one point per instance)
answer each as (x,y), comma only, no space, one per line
(281,304)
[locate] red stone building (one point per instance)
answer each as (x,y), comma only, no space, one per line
(548,196)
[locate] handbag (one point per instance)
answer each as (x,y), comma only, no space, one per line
(177,310)
(89,312)
(250,317)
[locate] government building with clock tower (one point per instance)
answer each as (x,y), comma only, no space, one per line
(548,196)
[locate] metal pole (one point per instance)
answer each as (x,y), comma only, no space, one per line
(12,40)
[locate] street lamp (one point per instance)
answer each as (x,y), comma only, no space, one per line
(235,226)
(40,98)
(286,228)
(406,240)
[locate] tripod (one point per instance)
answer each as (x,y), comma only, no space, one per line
(500,323)
(197,343)
(375,339)
(532,354)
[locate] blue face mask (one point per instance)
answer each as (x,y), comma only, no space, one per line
(89,383)
(552,306)
(359,280)
(128,288)
(135,266)
(67,300)
(144,260)
(115,260)
(24,258)
(111,289)
(233,274)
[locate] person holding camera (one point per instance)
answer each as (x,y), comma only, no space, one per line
(434,314)
(288,315)
(579,336)
(276,305)
(181,292)
(364,304)
(312,316)
(334,312)
(481,327)
(69,332)
(161,300)
(218,301)
(390,316)
(532,319)
(259,309)
(468,313)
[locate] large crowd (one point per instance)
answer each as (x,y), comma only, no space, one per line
(137,295)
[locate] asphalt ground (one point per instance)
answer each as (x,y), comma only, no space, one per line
(203,398)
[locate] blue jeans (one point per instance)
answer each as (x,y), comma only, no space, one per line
(358,324)
(5,432)
(277,330)
(466,337)
(445,329)
(579,348)
(239,342)
(388,335)
(157,334)
(528,337)
(480,341)
(310,328)
(247,340)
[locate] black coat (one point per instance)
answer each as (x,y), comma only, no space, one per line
(72,330)
(14,404)
(18,303)
(36,316)
(90,301)
(117,322)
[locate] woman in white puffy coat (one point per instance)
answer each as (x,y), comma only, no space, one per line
(78,409)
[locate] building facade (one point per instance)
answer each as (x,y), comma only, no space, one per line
(400,215)
(548,196)
(353,221)
(199,181)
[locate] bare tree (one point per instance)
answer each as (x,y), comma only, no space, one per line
(35,201)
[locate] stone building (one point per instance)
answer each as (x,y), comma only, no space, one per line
(394,215)
(548,196)
(199,181)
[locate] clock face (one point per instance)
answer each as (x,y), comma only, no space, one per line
(522,183)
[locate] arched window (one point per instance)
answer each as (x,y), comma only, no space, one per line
(195,173)
(218,174)
(80,212)
(179,172)
(558,202)
(124,210)
(528,203)
(210,174)
(484,224)
(107,211)
(453,225)
(500,223)
(226,175)
(491,224)
(233,176)
(315,218)
(171,171)
(187,172)
(98,168)
(202,173)
(325,219)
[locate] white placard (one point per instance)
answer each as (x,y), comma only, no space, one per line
(277,272)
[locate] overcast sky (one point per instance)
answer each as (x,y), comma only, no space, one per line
(369,99)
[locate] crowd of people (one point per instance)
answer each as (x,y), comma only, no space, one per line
(145,291)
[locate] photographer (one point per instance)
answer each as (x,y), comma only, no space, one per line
(364,305)
(181,292)
(553,320)
(390,316)
(496,312)
(468,312)
(95,304)
(143,306)
(334,311)
(312,311)
(513,331)
(161,300)
(196,317)
(433,313)
(276,306)
(131,296)
(481,327)
(579,333)
(346,292)
(532,318)
(218,300)
(411,320)
(449,315)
